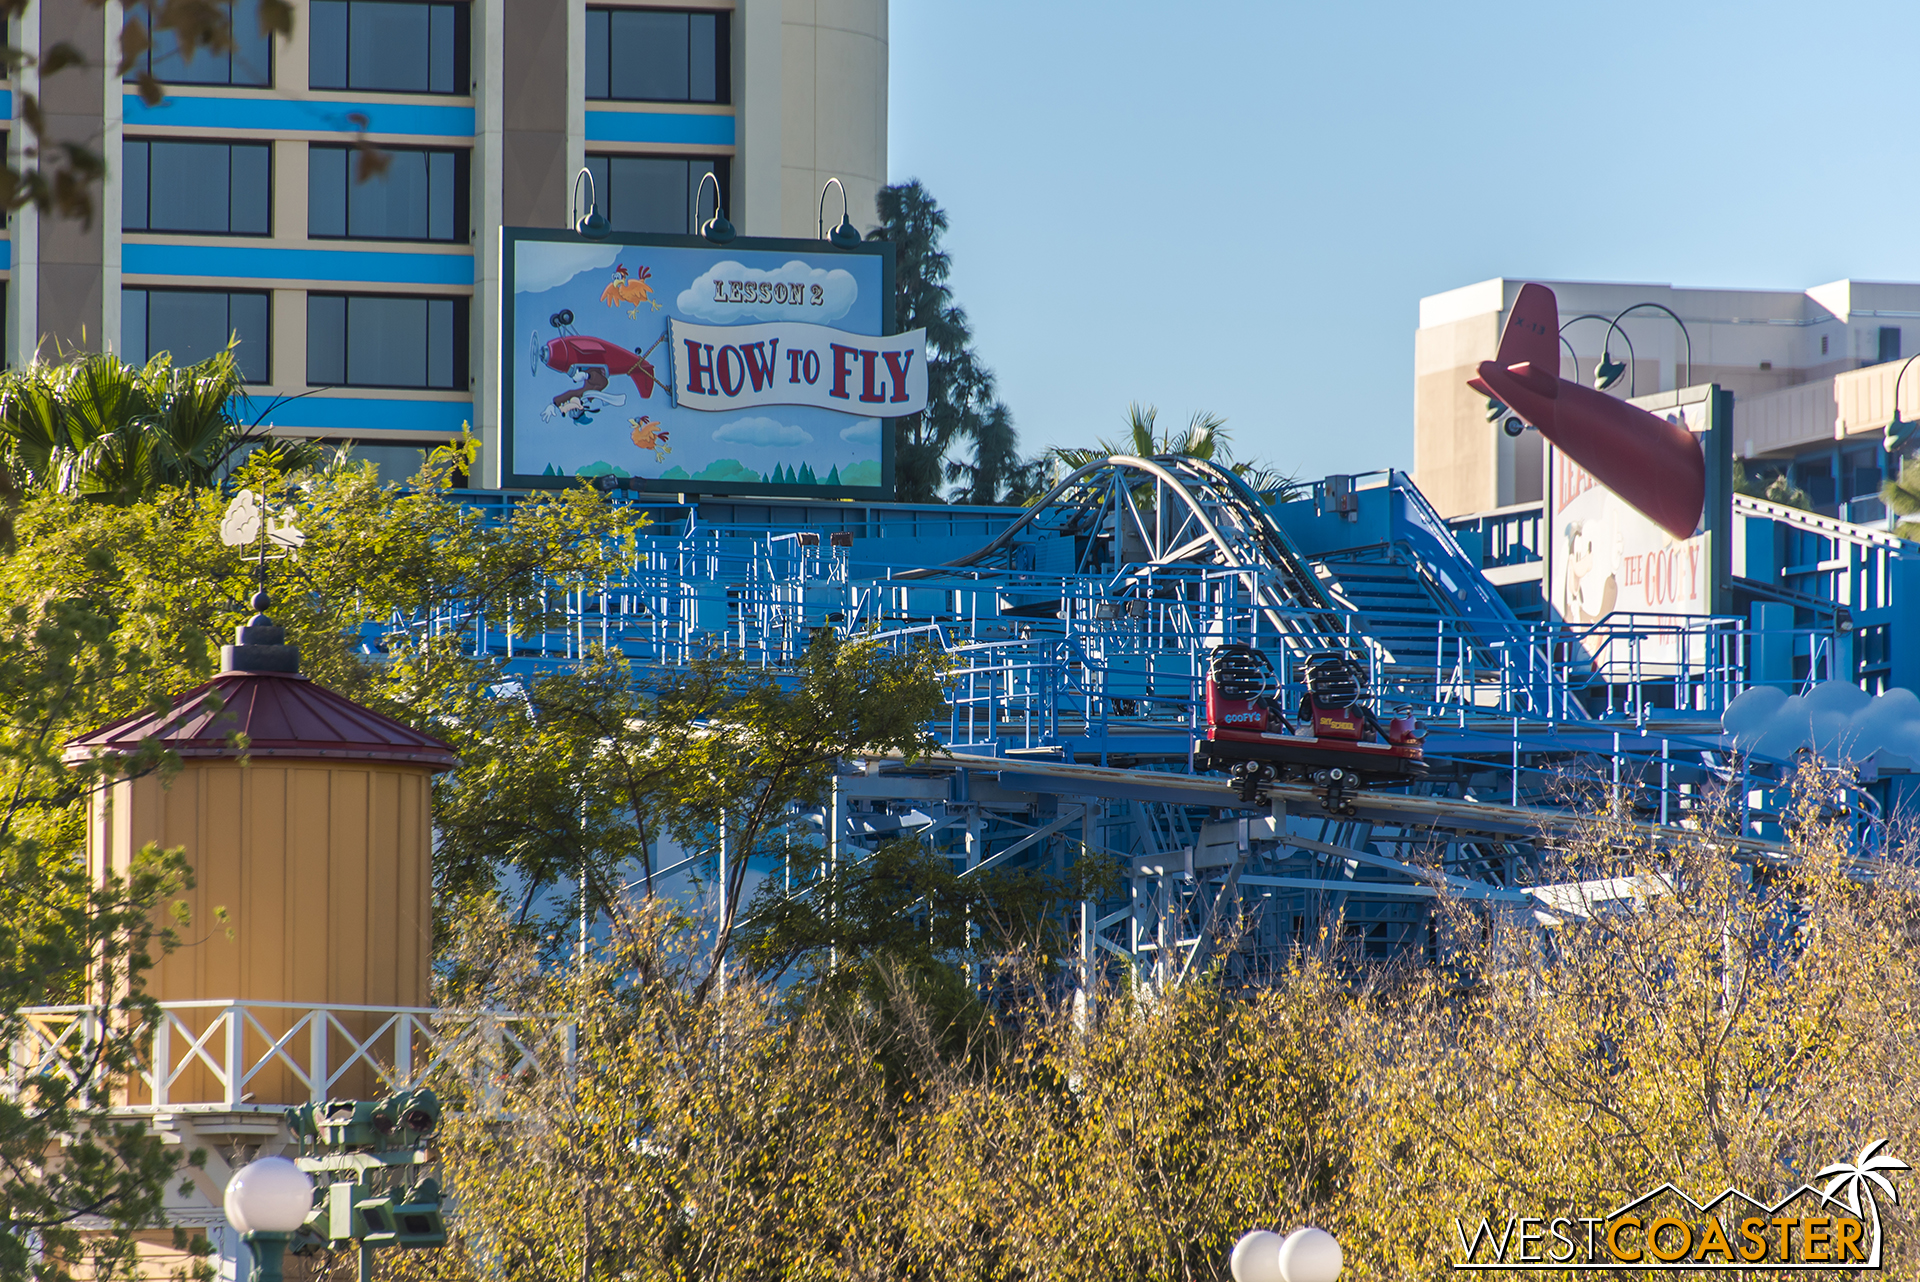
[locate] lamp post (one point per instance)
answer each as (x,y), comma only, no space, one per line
(268,1200)
(1609,372)
(1304,1255)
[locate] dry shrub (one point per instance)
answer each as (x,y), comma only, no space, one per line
(1735,1026)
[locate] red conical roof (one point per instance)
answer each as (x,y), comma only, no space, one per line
(282,714)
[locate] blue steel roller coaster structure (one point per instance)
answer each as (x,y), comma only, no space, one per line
(1080,632)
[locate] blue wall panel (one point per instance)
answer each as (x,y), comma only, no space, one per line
(353,414)
(300,117)
(139,258)
(659,126)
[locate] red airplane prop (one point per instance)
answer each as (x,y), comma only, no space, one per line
(600,360)
(1656,466)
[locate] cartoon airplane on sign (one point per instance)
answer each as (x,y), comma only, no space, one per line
(1655,465)
(593,363)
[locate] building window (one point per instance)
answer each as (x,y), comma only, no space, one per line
(657,55)
(380,340)
(398,461)
(194,324)
(391,46)
(1815,476)
(421,195)
(213,188)
(656,193)
(248,64)
(1824,340)
(1889,343)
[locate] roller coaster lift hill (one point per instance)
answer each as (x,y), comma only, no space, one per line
(1338,748)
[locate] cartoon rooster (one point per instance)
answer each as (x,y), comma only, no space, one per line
(630,291)
(649,435)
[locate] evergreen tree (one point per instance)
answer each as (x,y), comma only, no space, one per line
(960,398)
(997,473)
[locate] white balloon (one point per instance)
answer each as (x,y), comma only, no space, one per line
(1256,1257)
(1310,1255)
(270,1195)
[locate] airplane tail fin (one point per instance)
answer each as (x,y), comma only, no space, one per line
(1532,335)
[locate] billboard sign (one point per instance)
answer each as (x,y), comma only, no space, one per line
(754,367)
(1607,558)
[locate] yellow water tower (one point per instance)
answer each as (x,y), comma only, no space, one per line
(306,820)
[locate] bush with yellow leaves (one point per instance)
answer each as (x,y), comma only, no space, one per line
(1736,1023)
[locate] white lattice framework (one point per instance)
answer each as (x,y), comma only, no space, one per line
(231,1043)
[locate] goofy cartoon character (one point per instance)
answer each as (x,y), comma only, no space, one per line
(592,364)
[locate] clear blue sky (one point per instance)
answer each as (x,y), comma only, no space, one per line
(1237,207)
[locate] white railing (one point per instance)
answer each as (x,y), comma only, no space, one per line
(211,1053)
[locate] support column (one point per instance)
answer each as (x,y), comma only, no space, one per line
(72,254)
(23,285)
(488,195)
(112,193)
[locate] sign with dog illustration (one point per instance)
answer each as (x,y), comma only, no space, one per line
(1612,569)
(677,365)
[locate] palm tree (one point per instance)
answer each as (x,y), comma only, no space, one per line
(1204,437)
(100,427)
(1902,497)
(1857,1179)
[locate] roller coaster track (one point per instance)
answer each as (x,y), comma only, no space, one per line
(1281,873)
(1197,513)
(1078,636)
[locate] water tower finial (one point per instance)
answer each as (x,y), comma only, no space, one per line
(260,644)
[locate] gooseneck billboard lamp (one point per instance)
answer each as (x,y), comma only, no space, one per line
(1900,432)
(594,224)
(1610,370)
(716,229)
(844,236)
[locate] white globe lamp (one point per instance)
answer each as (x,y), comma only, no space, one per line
(1310,1255)
(1256,1257)
(268,1200)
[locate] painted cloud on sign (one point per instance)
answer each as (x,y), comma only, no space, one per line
(1835,720)
(539,265)
(728,293)
(761,431)
(865,432)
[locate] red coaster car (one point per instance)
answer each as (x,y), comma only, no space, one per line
(1338,748)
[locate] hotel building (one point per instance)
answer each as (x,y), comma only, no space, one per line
(368,311)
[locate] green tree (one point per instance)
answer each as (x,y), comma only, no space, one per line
(901,933)
(1902,497)
(583,773)
(68,936)
(997,473)
(1204,437)
(960,395)
(115,609)
(100,428)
